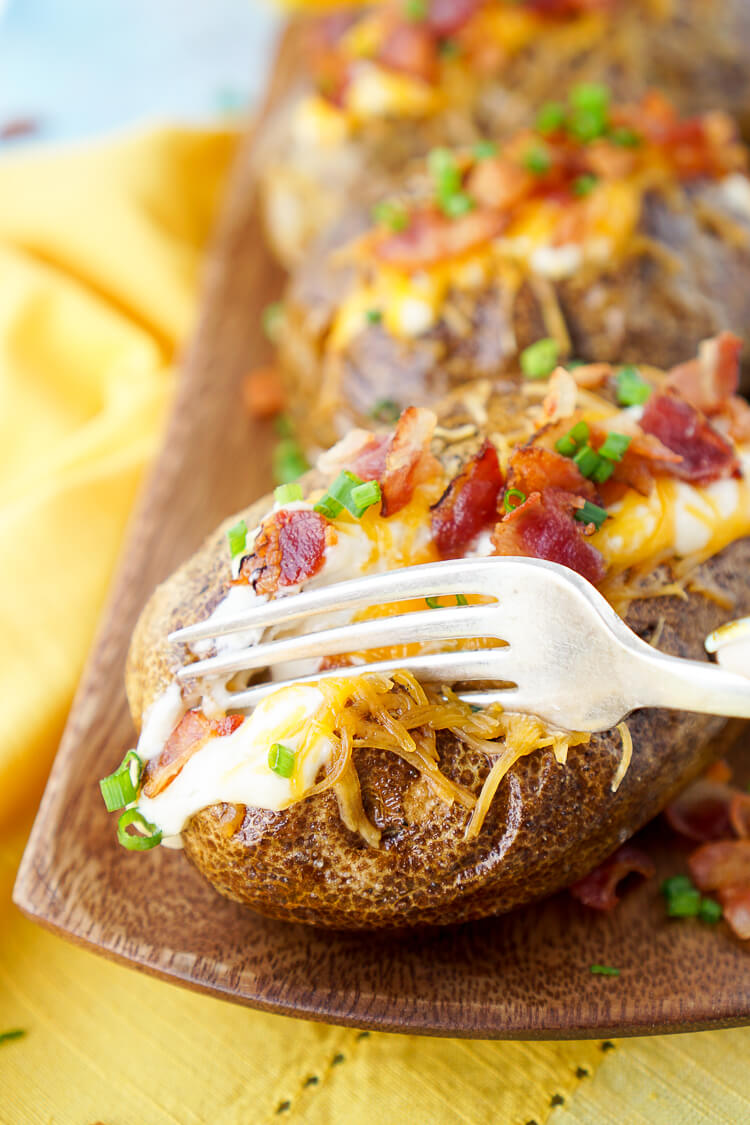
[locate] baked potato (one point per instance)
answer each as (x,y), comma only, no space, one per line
(632,242)
(384,84)
(366,801)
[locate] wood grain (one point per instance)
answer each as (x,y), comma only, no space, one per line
(524,975)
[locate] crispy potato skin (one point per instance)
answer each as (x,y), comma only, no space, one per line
(698,58)
(659,303)
(547,826)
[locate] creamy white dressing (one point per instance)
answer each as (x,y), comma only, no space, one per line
(159,721)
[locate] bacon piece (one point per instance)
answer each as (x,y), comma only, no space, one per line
(560,400)
(739,814)
(407,459)
(499,183)
(445,17)
(591,375)
(737,414)
(721,863)
(431,238)
(701,812)
(469,504)
(598,889)
(719,771)
(533,468)
(369,464)
(191,733)
(544,528)
(289,549)
(709,380)
(735,902)
(411,49)
(262,392)
(706,455)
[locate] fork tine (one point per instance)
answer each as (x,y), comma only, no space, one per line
(428,625)
(442,667)
(464,576)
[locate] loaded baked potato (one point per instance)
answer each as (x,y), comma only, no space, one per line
(384,84)
(632,239)
(378,801)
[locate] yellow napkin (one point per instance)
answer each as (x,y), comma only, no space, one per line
(99,256)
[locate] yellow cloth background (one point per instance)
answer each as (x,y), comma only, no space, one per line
(99,259)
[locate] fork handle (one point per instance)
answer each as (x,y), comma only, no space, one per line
(691,685)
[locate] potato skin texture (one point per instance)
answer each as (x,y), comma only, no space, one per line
(658,306)
(547,826)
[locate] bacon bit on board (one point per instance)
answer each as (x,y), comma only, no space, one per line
(598,889)
(262,392)
(543,527)
(709,380)
(739,814)
(721,863)
(735,902)
(431,238)
(706,455)
(408,458)
(191,733)
(290,548)
(469,504)
(701,812)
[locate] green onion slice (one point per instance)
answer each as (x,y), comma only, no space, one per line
(432,603)
(328,507)
(569,443)
(271,319)
(416,10)
(461,599)
(625,138)
(710,911)
(603,471)
(550,117)
(149,837)
(484,150)
(513,499)
(385,410)
(14,1033)
(675,884)
(373,316)
(537,160)
(540,359)
(684,904)
(281,759)
(632,388)
(391,214)
(614,446)
(121,787)
(363,496)
(287,493)
(289,462)
(456,205)
(605,971)
(583,185)
(350,492)
(449,49)
(237,537)
(587,460)
(591,513)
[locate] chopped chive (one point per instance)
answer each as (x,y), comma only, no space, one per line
(586,459)
(149,837)
(583,185)
(373,316)
(675,884)
(625,138)
(604,970)
(416,10)
(456,205)
(592,96)
(684,904)
(709,911)
(386,410)
(444,171)
(512,494)
(614,447)
(589,113)
(580,432)
(540,359)
(537,159)
(289,462)
(632,389)
(237,537)
(550,117)
(484,150)
(449,49)
(461,599)
(432,603)
(287,493)
(571,364)
(271,319)
(14,1033)
(603,471)
(391,214)
(364,496)
(121,787)
(281,759)
(591,513)
(586,125)
(341,489)
(577,436)
(328,507)
(566,446)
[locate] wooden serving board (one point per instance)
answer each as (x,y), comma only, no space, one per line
(525,975)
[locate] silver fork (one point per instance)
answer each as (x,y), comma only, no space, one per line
(573,661)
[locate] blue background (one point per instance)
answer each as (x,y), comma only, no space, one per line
(84,67)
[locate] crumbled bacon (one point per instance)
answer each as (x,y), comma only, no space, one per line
(721,863)
(407,459)
(191,733)
(706,455)
(739,814)
(445,17)
(499,183)
(290,548)
(589,376)
(561,397)
(369,462)
(533,468)
(598,889)
(411,49)
(735,902)
(709,380)
(469,504)
(431,238)
(701,812)
(544,527)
